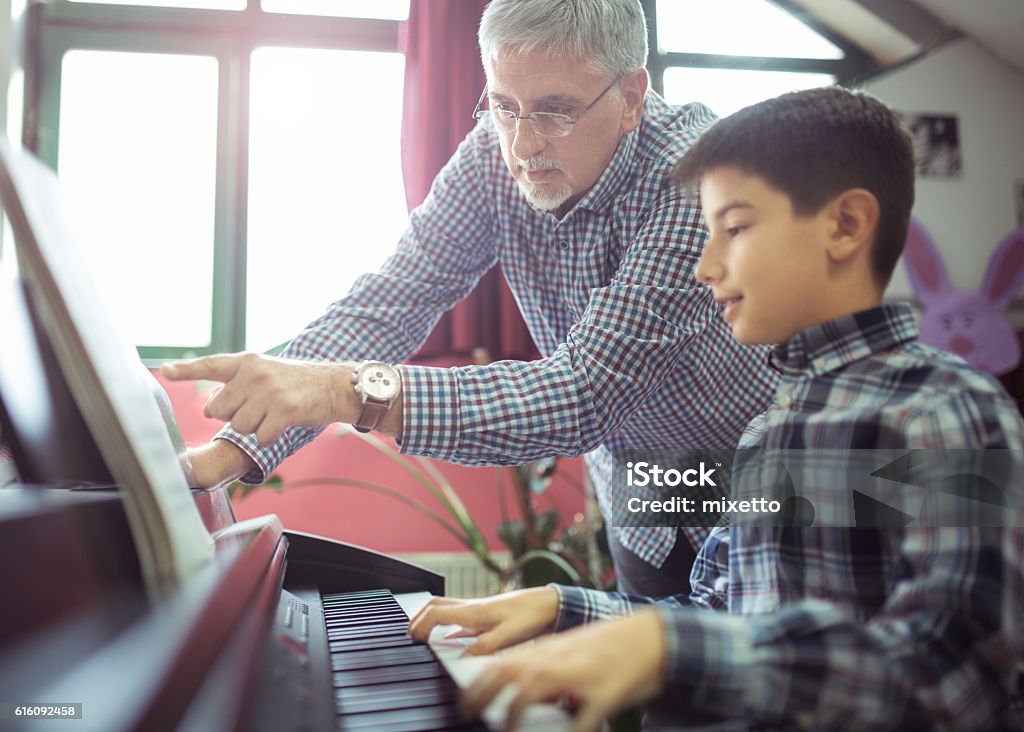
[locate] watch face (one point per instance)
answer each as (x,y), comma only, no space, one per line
(379,381)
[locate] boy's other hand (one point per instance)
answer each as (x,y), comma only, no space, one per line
(603,668)
(218,462)
(496,622)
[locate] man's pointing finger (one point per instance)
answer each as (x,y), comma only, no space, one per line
(213,368)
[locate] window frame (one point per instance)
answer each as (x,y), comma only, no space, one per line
(854,66)
(58,26)
(52,29)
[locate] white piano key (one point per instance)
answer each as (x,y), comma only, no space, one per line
(464,670)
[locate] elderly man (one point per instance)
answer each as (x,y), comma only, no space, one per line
(562,181)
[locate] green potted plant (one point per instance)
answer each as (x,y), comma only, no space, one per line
(539,552)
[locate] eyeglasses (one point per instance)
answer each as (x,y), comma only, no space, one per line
(545,124)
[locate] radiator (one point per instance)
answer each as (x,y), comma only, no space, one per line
(463,574)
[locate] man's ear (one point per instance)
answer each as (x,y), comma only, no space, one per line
(854,215)
(633,88)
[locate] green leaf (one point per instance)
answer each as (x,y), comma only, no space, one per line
(545,525)
(274,481)
(513,534)
(541,566)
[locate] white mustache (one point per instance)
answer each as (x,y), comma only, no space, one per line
(540,163)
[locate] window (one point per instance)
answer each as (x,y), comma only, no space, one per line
(312,241)
(728,90)
(390,9)
(728,54)
(236,162)
(210,4)
(233,172)
(138,153)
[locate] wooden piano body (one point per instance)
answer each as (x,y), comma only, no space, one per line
(241,645)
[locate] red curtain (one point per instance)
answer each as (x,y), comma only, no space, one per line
(443,80)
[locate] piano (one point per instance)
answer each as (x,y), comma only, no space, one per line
(280,631)
(283,631)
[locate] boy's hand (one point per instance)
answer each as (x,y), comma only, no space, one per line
(496,622)
(217,462)
(605,667)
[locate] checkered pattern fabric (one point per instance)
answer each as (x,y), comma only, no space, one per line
(634,352)
(855,628)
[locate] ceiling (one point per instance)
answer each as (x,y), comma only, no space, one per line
(893,31)
(997,24)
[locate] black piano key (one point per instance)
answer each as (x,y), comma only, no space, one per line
(346,599)
(387,624)
(353,618)
(383,681)
(409,720)
(346,625)
(346,596)
(362,610)
(389,674)
(366,644)
(370,631)
(341,602)
(381,657)
(387,627)
(405,695)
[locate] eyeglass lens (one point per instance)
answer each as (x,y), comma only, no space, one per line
(544,123)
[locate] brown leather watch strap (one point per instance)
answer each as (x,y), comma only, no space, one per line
(371,415)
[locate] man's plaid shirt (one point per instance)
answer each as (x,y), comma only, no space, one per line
(634,353)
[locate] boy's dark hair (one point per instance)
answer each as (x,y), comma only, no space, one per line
(812,145)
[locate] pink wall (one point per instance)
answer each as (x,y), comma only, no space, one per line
(371,519)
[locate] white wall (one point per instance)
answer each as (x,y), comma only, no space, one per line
(967,216)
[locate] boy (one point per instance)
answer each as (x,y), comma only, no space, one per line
(806,198)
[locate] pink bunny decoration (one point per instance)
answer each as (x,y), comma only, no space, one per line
(970,324)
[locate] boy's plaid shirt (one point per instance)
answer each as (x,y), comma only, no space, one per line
(855,628)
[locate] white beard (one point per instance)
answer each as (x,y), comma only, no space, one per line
(545,196)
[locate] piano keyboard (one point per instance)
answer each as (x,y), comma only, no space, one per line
(383,681)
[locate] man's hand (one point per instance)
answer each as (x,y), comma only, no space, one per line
(264,396)
(605,667)
(218,462)
(496,622)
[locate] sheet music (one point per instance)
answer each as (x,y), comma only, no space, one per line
(108,381)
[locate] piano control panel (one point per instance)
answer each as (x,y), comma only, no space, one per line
(292,693)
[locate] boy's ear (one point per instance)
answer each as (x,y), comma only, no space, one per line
(855,219)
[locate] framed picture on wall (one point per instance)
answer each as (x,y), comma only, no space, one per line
(936,144)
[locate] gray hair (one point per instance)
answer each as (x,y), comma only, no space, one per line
(609,36)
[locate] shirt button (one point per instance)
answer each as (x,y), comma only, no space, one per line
(784,400)
(819,362)
(563,244)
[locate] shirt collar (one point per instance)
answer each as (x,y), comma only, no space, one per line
(831,345)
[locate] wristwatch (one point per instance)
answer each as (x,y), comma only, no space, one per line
(377,385)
